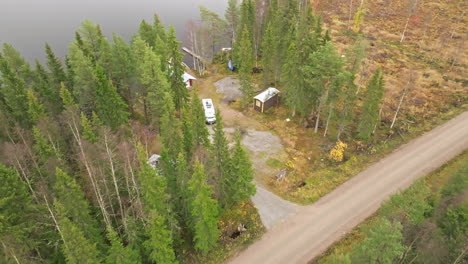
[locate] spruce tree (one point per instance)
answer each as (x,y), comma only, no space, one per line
(14,93)
(242,174)
(76,248)
(146,32)
(246,64)
(110,107)
(118,253)
(47,90)
(153,185)
(42,146)
(369,117)
(203,211)
(232,18)
(76,208)
(35,108)
(123,70)
(199,130)
(170,128)
(87,129)
(159,243)
(55,67)
(16,207)
(17,63)
(84,78)
(222,162)
(154,81)
(67,97)
(176,71)
(187,131)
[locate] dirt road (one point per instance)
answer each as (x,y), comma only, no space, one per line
(314,228)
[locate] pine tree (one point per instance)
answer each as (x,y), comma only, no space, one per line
(246,64)
(118,254)
(110,107)
(35,108)
(76,208)
(321,69)
(222,162)
(369,117)
(242,174)
(176,71)
(160,242)
(14,93)
(76,248)
(199,130)
(204,211)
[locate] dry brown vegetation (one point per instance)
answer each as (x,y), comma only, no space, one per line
(433,48)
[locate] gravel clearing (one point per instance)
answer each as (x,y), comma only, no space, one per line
(230,87)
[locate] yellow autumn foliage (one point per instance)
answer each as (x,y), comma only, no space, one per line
(337,153)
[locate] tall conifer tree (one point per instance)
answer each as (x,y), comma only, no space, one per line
(222,162)
(370,109)
(203,211)
(118,253)
(242,174)
(110,107)
(76,247)
(176,71)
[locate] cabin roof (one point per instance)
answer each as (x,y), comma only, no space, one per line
(187,77)
(267,94)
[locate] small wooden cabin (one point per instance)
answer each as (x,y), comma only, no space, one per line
(188,80)
(266,99)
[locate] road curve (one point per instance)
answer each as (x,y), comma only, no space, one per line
(314,228)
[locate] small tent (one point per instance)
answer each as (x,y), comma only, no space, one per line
(266,99)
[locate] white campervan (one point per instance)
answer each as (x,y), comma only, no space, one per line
(210,115)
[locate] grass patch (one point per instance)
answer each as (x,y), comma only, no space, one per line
(274,163)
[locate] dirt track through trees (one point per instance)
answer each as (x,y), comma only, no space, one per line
(314,228)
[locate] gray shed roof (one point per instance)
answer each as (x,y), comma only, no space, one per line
(267,94)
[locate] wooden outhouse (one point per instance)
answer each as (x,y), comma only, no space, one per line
(266,99)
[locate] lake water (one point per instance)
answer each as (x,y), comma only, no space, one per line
(28,24)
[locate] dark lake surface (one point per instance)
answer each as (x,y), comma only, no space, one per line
(28,24)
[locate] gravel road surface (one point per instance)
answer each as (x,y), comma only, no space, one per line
(305,235)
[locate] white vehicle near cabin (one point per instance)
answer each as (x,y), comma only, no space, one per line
(210,114)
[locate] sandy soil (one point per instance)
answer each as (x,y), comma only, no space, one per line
(314,228)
